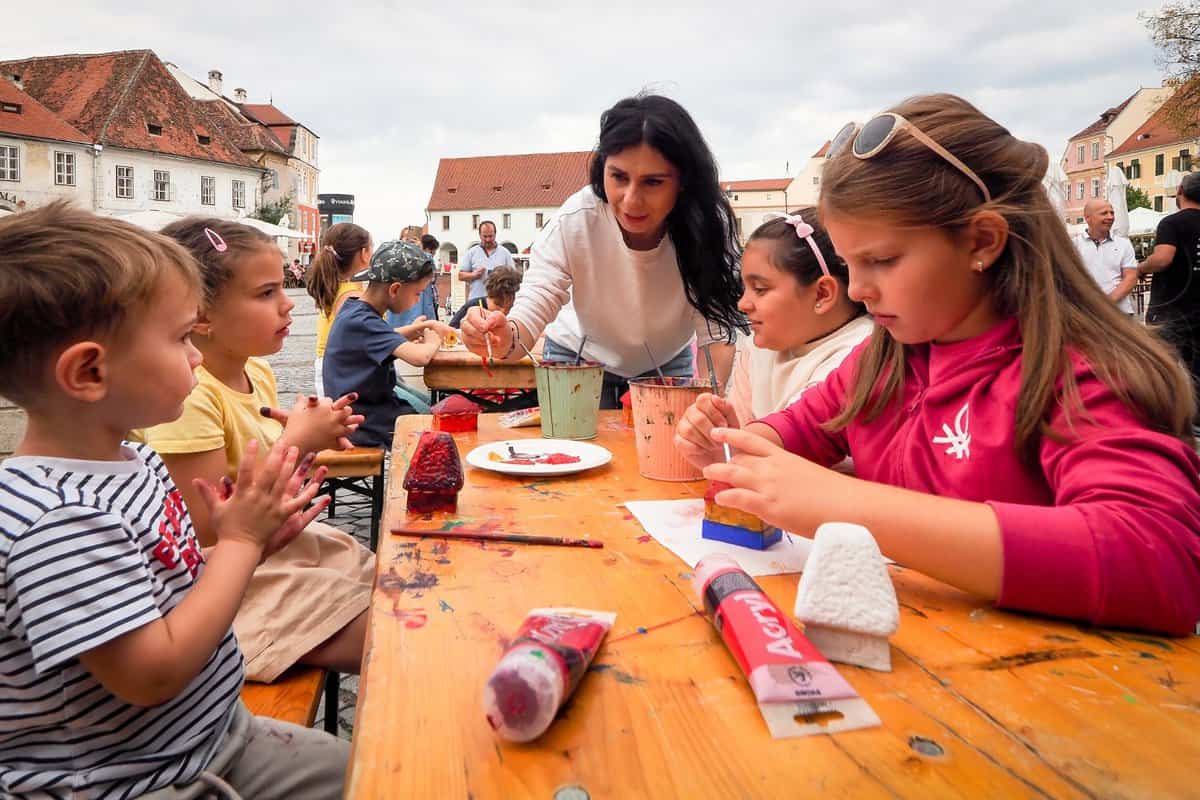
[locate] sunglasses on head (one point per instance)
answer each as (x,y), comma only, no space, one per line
(869,140)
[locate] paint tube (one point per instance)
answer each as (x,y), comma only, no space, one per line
(541,667)
(798,691)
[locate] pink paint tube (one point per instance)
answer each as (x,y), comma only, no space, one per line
(541,667)
(798,691)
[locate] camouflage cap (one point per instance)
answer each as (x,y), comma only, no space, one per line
(397,262)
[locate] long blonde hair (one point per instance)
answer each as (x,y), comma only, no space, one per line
(1039,277)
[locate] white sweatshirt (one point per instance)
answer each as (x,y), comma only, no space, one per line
(584,279)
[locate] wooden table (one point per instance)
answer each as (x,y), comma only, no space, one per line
(461,369)
(981,703)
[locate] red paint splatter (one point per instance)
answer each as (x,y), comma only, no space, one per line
(645,538)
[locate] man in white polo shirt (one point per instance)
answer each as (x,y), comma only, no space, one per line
(1109,258)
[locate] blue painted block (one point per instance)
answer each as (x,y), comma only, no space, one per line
(740,536)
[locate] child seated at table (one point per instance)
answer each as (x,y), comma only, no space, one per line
(121,671)
(307,603)
(1014,434)
(802,323)
(362,347)
(502,284)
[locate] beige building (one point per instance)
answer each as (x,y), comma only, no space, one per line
(756,201)
(1155,156)
(1086,158)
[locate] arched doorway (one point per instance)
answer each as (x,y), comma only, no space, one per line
(447,254)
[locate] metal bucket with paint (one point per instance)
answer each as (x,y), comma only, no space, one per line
(658,403)
(569,396)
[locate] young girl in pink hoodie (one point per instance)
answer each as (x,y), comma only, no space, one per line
(1013,434)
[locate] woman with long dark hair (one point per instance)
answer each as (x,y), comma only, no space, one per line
(639,260)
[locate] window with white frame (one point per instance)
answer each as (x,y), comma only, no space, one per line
(1095,151)
(506,221)
(474,222)
(208,191)
(539,220)
(162,184)
(124,182)
(239,194)
(1080,187)
(1068,191)
(1079,153)
(1095,187)
(64,168)
(445,222)
(10,162)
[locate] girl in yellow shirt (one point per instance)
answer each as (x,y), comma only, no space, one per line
(345,250)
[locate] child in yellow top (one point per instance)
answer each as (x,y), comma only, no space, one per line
(345,249)
(307,603)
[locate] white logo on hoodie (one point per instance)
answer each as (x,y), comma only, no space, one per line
(959,439)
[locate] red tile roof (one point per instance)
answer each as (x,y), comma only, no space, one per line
(34,119)
(1104,120)
(760,185)
(823,151)
(519,181)
(248,136)
(267,114)
(1156,131)
(113,97)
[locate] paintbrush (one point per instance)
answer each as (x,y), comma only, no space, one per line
(487,338)
(712,377)
(528,352)
(654,361)
(579,352)
(489,536)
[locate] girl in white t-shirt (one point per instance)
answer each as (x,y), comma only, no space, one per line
(802,322)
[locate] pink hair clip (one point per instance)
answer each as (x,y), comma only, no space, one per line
(805,232)
(215,240)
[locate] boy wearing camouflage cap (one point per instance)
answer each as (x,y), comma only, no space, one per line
(362,347)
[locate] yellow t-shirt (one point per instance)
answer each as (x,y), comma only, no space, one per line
(217,417)
(324,323)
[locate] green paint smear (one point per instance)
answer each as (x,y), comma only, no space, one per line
(537,654)
(451,525)
(1130,699)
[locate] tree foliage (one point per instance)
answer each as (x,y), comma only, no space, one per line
(1136,198)
(274,212)
(1175,30)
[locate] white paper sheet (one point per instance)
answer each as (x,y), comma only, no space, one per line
(676,525)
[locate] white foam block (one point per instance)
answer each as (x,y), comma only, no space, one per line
(846,599)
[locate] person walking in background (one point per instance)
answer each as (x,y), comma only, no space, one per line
(482,259)
(1175,287)
(1110,259)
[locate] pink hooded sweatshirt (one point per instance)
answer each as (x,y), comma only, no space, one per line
(1106,526)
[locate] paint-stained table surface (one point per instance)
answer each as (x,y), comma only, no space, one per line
(981,703)
(459,368)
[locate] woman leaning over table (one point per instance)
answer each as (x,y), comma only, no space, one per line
(638,261)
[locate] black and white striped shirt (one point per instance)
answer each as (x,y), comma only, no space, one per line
(89,551)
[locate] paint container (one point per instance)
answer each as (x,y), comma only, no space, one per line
(569,396)
(658,405)
(798,691)
(541,667)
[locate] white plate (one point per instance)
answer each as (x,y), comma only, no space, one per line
(590,455)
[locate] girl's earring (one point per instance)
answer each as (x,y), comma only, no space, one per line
(817,307)
(979,266)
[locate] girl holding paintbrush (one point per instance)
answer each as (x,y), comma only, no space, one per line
(643,258)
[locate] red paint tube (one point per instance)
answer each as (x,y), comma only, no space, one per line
(541,667)
(790,678)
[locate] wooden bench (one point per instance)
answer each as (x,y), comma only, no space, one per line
(294,697)
(349,470)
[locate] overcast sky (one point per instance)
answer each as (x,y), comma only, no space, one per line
(391,89)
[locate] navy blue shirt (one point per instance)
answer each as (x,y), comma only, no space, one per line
(359,358)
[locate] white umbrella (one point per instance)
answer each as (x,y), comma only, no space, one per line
(1116,196)
(152,219)
(272,230)
(1144,220)
(1056,183)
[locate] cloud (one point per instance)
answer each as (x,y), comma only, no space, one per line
(391,89)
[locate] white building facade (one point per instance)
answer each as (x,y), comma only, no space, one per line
(34,172)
